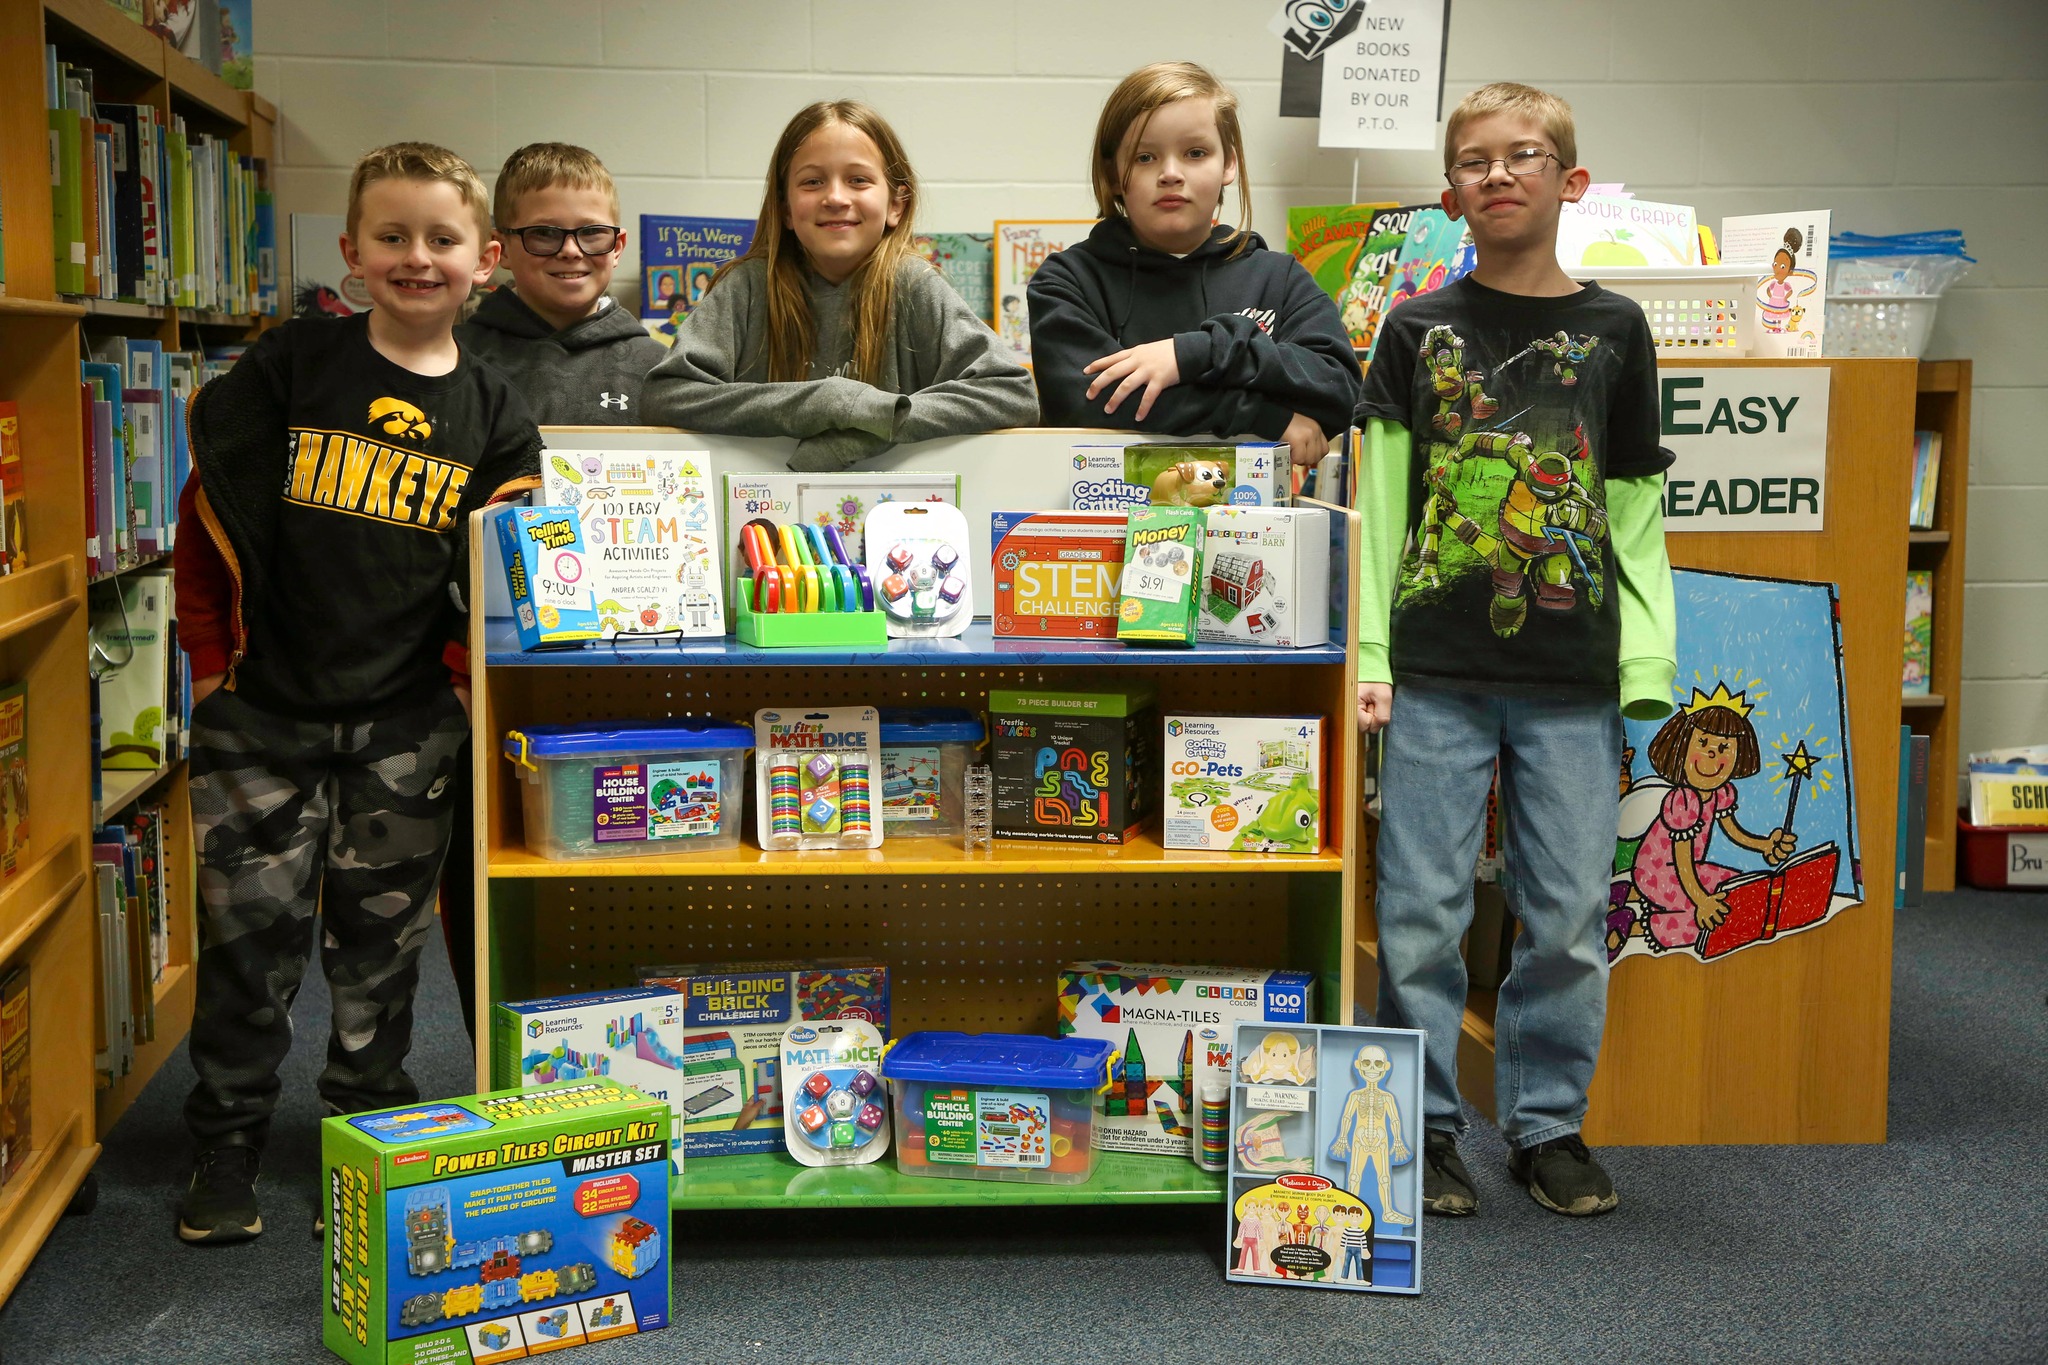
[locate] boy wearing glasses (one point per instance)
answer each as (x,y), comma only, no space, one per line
(321,589)
(578,358)
(1516,594)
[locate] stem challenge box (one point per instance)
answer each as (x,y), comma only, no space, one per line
(1077,766)
(495,1226)
(1247,784)
(1175,1027)
(1056,574)
(728,1090)
(1265,576)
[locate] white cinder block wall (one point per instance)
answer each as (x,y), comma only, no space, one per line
(1897,114)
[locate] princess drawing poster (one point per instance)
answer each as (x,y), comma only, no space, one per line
(1738,814)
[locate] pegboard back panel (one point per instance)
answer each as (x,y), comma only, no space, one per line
(972,953)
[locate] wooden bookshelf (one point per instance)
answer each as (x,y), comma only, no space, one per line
(48,917)
(1942,403)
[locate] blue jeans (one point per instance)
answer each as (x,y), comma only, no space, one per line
(1559,768)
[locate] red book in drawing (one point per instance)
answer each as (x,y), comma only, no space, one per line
(1762,905)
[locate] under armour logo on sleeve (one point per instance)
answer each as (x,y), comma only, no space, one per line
(612,400)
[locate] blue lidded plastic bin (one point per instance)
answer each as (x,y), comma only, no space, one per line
(631,789)
(925,755)
(997,1106)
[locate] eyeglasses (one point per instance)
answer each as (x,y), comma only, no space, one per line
(594,239)
(1527,161)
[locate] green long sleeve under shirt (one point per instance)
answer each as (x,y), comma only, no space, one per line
(1642,577)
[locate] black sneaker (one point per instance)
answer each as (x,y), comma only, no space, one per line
(1563,1177)
(1446,1184)
(220,1204)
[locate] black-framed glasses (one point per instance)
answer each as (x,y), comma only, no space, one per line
(593,239)
(1526,161)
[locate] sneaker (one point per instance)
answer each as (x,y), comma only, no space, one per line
(1446,1184)
(220,1204)
(1563,1177)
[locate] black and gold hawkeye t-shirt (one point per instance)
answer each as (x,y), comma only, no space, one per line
(1520,409)
(382,466)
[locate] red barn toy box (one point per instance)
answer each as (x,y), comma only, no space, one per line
(496,1226)
(1056,574)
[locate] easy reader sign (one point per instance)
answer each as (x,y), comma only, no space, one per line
(1383,81)
(1751,447)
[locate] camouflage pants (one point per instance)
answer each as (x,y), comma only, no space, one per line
(289,818)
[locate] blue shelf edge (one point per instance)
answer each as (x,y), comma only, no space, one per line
(977,647)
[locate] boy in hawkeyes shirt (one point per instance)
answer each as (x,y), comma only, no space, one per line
(321,585)
(1511,437)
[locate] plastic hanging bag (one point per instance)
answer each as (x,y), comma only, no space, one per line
(1907,263)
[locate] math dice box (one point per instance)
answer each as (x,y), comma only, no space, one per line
(728,1095)
(633,1037)
(1248,784)
(548,575)
(1056,574)
(1076,766)
(837,500)
(1116,478)
(1174,1027)
(1265,576)
(495,1226)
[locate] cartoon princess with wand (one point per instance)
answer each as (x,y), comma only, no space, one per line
(1701,752)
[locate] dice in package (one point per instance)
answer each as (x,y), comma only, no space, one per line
(836,1110)
(814,777)
(917,559)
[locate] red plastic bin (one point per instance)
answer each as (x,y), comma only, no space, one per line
(2002,857)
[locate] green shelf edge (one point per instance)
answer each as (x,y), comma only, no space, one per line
(776,1180)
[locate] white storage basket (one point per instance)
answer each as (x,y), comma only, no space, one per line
(1880,324)
(1705,310)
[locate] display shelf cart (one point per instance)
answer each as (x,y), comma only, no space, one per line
(47,916)
(973,941)
(1943,404)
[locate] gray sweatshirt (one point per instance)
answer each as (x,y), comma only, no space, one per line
(942,373)
(588,374)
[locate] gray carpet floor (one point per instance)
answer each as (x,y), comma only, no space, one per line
(1931,1247)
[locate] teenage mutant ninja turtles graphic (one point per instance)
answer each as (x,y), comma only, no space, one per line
(1521,504)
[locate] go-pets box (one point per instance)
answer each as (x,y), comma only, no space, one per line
(1245,784)
(495,1226)
(1265,576)
(729,1087)
(1175,1027)
(1115,478)
(650,536)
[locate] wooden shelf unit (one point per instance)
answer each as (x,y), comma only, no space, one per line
(48,917)
(1789,1042)
(974,941)
(1942,403)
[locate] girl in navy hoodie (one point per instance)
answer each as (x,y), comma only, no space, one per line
(1164,320)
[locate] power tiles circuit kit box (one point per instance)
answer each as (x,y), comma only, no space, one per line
(633,1037)
(1265,576)
(1116,478)
(1176,1027)
(1325,1158)
(1075,766)
(1056,574)
(495,1226)
(1246,784)
(729,1098)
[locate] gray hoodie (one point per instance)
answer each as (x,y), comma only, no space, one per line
(942,373)
(588,374)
